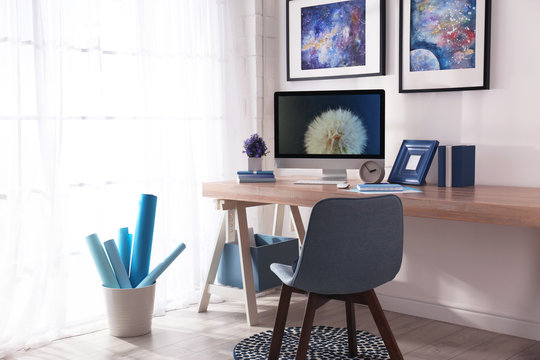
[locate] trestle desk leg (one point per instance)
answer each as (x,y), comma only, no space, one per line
(279,212)
(298,225)
(247,270)
(214,263)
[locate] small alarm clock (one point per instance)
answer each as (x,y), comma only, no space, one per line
(372,172)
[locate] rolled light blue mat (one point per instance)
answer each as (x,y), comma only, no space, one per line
(102,263)
(116,262)
(158,270)
(124,246)
(142,242)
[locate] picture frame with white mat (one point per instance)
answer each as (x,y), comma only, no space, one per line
(413,162)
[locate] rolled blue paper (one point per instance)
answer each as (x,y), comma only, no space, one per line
(142,241)
(116,262)
(158,270)
(108,279)
(130,250)
(124,246)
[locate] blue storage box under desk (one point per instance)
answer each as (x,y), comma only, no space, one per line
(268,249)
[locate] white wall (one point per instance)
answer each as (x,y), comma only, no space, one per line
(485,276)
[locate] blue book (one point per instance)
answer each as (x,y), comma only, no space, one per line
(379,187)
(463,157)
(254,180)
(256,176)
(255,172)
(441,163)
(456,165)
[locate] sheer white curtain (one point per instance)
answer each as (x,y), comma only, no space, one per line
(102,101)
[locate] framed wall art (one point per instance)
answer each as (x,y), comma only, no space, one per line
(444,45)
(335,39)
(413,162)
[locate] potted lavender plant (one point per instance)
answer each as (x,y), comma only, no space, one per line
(255,148)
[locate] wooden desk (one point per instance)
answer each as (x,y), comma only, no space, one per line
(513,206)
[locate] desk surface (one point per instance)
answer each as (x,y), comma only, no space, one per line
(515,206)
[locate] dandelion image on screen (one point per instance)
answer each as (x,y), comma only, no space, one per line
(336,131)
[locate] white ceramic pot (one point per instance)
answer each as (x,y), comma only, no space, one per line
(254,163)
(130,310)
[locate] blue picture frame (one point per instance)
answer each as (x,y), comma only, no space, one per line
(413,162)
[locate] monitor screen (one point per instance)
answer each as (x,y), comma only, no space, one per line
(328,129)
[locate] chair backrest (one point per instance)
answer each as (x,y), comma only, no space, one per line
(351,245)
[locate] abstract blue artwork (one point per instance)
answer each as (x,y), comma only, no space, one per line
(443,34)
(333,35)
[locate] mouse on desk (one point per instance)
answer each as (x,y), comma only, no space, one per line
(342,186)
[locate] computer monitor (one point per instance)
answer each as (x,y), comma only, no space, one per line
(328,130)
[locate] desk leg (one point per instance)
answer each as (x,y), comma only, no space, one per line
(298,225)
(231,223)
(214,263)
(247,269)
(277,228)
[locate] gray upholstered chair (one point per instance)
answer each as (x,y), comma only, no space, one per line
(351,247)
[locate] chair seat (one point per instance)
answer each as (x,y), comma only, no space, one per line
(283,272)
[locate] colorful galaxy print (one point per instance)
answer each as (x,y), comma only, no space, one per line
(334,35)
(443,34)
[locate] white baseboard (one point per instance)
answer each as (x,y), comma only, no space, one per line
(491,322)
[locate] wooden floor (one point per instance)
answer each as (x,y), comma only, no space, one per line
(188,335)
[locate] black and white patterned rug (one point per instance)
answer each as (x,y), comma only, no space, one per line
(325,343)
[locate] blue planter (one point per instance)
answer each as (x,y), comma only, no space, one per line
(269,249)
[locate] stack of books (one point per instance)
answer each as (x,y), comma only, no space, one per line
(456,165)
(256,176)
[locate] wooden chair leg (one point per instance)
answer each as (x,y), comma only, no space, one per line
(312,304)
(281,319)
(382,324)
(351,328)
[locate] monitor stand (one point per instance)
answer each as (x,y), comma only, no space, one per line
(328,177)
(334,175)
